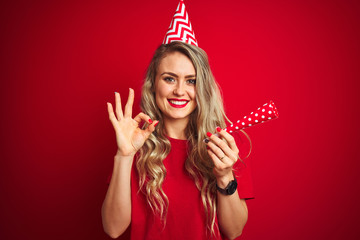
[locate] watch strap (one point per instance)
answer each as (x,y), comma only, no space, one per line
(225,191)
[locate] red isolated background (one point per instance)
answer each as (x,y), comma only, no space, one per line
(61,61)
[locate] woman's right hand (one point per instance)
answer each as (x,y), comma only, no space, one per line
(129,137)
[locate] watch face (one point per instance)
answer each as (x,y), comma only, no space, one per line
(231,188)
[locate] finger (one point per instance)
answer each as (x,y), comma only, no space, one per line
(129,104)
(112,116)
(229,139)
(220,154)
(119,112)
(143,117)
(218,164)
(150,129)
(216,150)
(223,146)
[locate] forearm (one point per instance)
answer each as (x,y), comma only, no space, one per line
(116,208)
(232,213)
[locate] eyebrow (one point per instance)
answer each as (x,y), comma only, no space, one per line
(173,74)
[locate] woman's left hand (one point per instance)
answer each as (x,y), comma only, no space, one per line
(224,155)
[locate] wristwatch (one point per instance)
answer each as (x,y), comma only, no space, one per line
(230,188)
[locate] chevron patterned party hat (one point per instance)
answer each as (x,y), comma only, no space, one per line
(180,28)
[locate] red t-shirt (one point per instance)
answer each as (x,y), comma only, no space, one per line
(186,216)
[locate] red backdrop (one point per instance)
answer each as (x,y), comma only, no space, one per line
(61,61)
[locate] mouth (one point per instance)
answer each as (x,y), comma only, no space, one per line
(178,103)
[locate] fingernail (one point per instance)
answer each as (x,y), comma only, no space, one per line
(150,121)
(207,148)
(218,129)
(116,92)
(156,124)
(208,134)
(206,140)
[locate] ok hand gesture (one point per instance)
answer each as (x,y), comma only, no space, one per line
(129,137)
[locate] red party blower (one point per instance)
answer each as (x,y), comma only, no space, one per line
(263,114)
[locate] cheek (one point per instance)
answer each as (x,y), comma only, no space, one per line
(161,93)
(192,93)
(158,99)
(163,90)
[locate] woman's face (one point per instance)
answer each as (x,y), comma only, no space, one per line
(175,86)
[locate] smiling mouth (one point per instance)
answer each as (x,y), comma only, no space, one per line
(177,103)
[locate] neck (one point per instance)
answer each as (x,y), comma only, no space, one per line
(175,128)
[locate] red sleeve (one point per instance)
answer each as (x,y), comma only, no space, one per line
(242,170)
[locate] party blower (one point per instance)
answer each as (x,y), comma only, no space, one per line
(263,114)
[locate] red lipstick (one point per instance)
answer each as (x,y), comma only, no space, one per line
(177,105)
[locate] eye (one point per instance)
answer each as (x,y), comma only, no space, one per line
(169,79)
(192,81)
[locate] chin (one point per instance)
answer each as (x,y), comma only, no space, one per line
(178,116)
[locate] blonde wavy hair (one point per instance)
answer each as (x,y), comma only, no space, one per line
(208,114)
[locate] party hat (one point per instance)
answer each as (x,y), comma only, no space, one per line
(180,28)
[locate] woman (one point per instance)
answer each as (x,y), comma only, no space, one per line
(167,181)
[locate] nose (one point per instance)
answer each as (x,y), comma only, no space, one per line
(179,89)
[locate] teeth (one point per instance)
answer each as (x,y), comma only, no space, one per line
(178,102)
